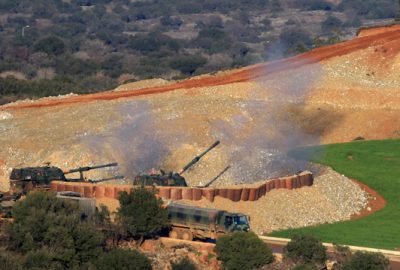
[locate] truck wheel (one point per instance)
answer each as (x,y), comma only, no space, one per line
(187,236)
(173,234)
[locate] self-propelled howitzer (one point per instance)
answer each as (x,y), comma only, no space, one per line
(25,179)
(161,178)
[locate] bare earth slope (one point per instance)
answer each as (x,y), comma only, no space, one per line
(330,94)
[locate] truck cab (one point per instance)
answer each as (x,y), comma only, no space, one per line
(233,222)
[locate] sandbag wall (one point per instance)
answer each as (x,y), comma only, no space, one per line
(238,193)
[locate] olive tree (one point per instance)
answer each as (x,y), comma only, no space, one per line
(242,251)
(47,227)
(141,214)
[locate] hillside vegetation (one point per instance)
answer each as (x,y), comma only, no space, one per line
(377,164)
(51,47)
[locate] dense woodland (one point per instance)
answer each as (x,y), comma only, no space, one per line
(51,47)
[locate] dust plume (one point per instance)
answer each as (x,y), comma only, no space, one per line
(135,144)
(259,139)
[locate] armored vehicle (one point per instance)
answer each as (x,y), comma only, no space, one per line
(161,178)
(23,180)
(188,222)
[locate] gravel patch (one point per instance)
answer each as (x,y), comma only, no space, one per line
(332,198)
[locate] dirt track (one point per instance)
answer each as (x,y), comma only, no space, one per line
(373,37)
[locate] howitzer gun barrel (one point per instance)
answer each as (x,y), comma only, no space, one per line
(216,177)
(106,179)
(83,169)
(197,158)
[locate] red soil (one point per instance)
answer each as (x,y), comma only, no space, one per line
(375,203)
(383,35)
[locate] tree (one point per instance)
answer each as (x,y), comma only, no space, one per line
(9,261)
(397,19)
(51,45)
(331,23)
(187,63)
(367,261)
(293,38)
(118,259)
(44,223)
(41,259)
(141,214)
(183,264)
(305,267)
(242,251)
(305,249)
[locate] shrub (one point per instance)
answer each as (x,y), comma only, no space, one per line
(41,259)
(50,45)
(9,261)
(44,222)
(152,42)
(243,251)
(293,38)
(184,264)
(118,259)
(331,23)
(367,261)
(305,248)
(187,64)
(341,255)
(140,213)
(305,267)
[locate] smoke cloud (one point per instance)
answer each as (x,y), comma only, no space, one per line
(261,151)
(135,144)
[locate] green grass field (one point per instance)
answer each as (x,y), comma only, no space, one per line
(377,164)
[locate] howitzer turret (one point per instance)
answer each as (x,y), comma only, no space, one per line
(161,178)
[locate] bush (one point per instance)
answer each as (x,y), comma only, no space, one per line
(305,267)
(9,261)
(141,214)
(118,259)
(184,264)
(367,261)
(152,42)
(243,251)
(306,249)
(331,23)
(50,45)
(187,64)
(213,40)
(41,259)
(294,38)
(44,222)
(10,87)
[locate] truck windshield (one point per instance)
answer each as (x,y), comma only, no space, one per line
(240,220)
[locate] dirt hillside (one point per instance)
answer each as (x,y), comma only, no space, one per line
(330,94)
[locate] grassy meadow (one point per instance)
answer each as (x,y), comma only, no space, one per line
(375,163)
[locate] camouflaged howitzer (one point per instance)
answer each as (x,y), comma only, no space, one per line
(161,178)
(25,179)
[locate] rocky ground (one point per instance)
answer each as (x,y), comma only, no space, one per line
(161,256)
(333,197)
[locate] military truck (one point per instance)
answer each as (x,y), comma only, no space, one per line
(188,222)
(87,206)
